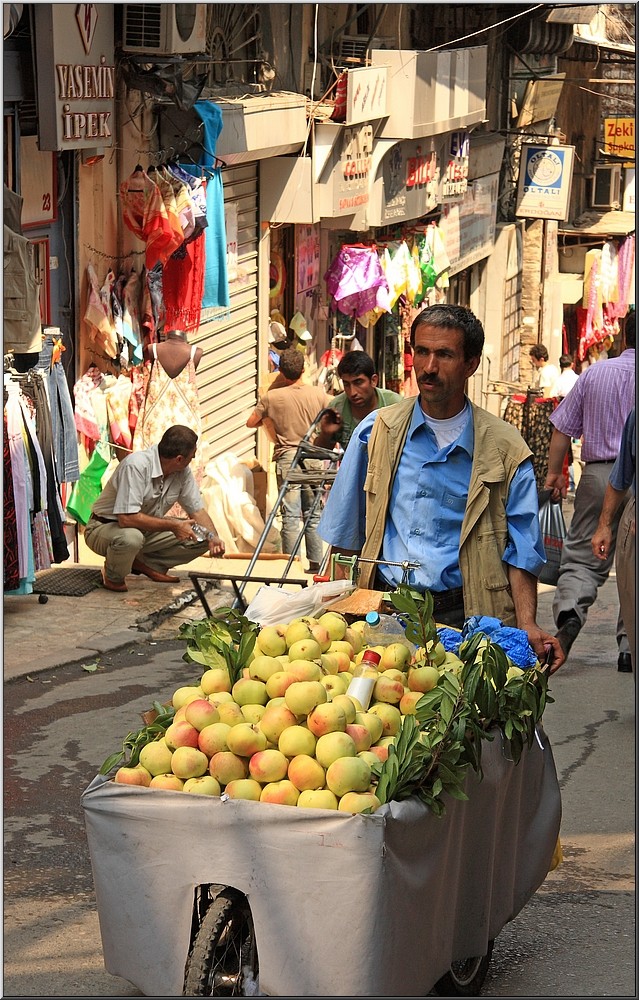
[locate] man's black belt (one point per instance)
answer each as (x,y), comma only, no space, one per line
(104,520)
(448,600)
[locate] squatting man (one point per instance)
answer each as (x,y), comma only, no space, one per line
(128,523)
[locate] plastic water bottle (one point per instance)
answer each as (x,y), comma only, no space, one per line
(382,630)
(365,676)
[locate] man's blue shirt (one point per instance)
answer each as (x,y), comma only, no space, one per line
(427,505)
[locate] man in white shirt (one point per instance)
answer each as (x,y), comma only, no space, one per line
(546,374)
(567,376)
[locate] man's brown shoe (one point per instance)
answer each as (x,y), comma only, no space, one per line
(120,588)
(140,568)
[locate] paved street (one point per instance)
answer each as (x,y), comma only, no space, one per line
(576,937)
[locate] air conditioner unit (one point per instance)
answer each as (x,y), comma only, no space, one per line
(164,29)
(606,186)
(353,49)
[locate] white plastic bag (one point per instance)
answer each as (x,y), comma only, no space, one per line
(276,606)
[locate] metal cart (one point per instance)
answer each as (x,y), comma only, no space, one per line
(303,473)
(210,897)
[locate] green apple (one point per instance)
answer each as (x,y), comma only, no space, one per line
(169,782)
(244,788)
(330,663)
(388,690)
(227,766)
(348,704)
(370,757)
(372,722)
(189,762)
(253,713)
(348,774)
(156,757)
(283,793)
(321,636)
(206,785)
(262,667)
(277,683)
(331,746)
(409,701)
(305,670)
(181,734)
(322,798)
(137,775)
(396,655)
(268,765)
(183,695)
(423,679)
(306,773)
(358,802)
(231,713)
(302,697)
(296,630)
(334,623)
(334,684)
(305,649)
(249,692)
(200,713)
(213,738)
(214,680)
(360,735)
(356,639)
(245,740)
(275,720)
(220,697)
(341,646)
(390,715)
(326,718)
(295,741)
(271,640)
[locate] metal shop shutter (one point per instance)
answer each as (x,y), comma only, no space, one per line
(227,373)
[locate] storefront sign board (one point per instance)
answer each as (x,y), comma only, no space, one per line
(545,177)
(468,227)
(366,94)
(619,137)
(76,75)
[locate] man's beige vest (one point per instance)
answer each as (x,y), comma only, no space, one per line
(498,451)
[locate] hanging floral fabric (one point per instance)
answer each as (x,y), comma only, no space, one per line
(101,327)
(593,304)
(131,314)
(144,213)
(626,275)
(353,279)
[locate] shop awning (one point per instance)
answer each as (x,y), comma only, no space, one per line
(600,224)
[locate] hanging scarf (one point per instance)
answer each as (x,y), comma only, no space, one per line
(353,279)
(183,286)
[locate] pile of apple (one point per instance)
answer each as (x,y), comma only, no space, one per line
(286,731)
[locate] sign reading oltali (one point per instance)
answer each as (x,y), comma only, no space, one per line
(76,75)
(545,178)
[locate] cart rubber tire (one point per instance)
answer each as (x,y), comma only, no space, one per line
(465,978)
(223,959)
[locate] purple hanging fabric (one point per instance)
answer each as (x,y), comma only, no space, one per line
(353,279)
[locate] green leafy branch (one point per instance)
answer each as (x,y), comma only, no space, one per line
(225,639)
(436,747)
(416,611)
(129,755)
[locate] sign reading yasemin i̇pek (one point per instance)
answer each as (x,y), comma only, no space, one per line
(76,75)
(545,176)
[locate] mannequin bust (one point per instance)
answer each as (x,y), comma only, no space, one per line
(173,353)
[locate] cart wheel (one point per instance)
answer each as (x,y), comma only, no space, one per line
(465,978)
(223,959)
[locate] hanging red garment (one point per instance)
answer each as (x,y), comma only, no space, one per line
(144,213)
(183,287)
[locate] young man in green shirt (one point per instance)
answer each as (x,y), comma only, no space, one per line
(360,397)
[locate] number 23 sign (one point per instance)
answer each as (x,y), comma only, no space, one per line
(37,184)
